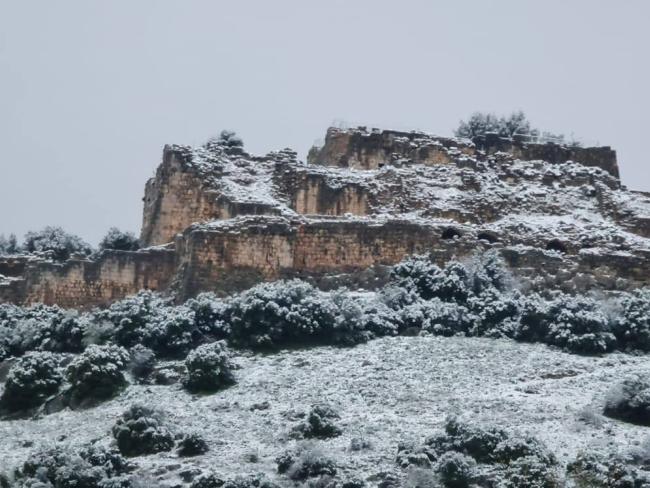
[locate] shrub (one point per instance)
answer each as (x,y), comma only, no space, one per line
(411,455)
(579,325)
(98,371)
(632,327)
(130,317)
(594,470)
(531,472)
(141,430)
(31,380)
(192,445)
(306,461)
(480,124)
(55,242)
(208,315)
(9,245)
(456,470)
(319,424)
(630,401)
(478,442)
(209,367)
(143,361)
(40,328)
(209,480)
(172,332)
(119,240)
(251,481)
(61,467)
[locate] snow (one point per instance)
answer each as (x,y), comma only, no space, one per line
(387,390)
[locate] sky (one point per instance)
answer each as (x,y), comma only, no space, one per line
(91,91)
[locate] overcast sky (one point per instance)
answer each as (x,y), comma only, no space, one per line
(90,91)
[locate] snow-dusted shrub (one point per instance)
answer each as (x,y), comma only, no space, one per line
(437,317)
(61,467)
(209,367)
(420,275)
(596,470)
(348,324)
(513,448)
(482,123)
(579,325)
(409,455)
(142,430)
(171,332)
(531,472)
(487,272)
(142,362)
(9,245)
(495,314)
(98,372)
(632,326)
(306,461)
(456,470)
(208,315)
(271,314)
(192,445)
(31,380)
(320,423)
(119,240)
(56,242)
(130,317)
(630,401)
(208,480)
(378,318)
(40,328)
(478,442)
(250,481)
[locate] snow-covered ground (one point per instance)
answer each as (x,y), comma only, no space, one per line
(387,390)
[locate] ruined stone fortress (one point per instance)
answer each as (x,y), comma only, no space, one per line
(219,219)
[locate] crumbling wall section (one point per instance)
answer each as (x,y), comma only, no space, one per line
(84,283)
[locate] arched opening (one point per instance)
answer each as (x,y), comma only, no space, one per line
(487,236)
(451,233)
(556,245)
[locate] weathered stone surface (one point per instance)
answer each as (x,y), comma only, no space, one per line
(229,220)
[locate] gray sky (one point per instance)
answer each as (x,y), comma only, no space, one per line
(91,90)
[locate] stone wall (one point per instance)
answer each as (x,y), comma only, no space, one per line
(174,199)
(313,195)
(83,283)
(362,149)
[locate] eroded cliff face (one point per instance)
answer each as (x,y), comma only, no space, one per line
(222,220)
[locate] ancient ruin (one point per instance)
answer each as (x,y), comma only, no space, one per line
(219,219)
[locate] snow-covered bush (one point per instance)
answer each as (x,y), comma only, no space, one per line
(306,461)
(119,240)
(32,379)
(40,328)
(411,454)
(420,275)
(208,480)
(57,243)
(209,367)
(597,470)
(98,373)
(456,470)
(208,315)
(436,317)
(632,326)
(481,123)
(630,401)
(250,481)
(494,313)
(128,318)
(320,423)
(475,441)
(91,467)
(142,430)
(142,362)
(579,325)
(192,445)
(171,332)
(531,472)
(9,245)
(293,312)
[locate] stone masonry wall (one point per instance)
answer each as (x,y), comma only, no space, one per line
(174,199)
(86,283)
